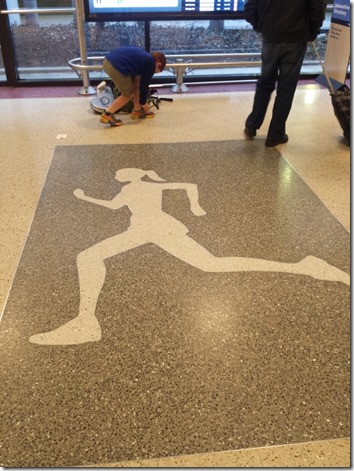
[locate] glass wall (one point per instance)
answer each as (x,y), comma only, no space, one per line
(44,43)
(44,50)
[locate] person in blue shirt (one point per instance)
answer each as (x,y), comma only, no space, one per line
(131,70)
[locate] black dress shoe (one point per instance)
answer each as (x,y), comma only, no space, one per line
(275,142)
(250,132)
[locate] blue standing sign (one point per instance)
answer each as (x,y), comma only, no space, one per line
(341,12)
(338,45)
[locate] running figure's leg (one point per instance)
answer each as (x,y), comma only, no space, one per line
(191,252)
(92,272)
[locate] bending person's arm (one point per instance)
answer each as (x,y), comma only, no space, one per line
(114,203)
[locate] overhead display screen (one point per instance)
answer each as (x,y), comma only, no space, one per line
(137,10)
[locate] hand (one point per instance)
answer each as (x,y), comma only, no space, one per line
(79,193)
(198,211)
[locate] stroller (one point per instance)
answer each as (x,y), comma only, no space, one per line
(106,94)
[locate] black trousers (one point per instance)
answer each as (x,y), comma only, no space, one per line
(281,64)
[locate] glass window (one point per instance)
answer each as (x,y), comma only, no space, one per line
(234,39)
(44,44)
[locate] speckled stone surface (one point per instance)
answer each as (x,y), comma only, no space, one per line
(189,361)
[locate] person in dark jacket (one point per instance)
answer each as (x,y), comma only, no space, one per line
(131,69)
(286,26)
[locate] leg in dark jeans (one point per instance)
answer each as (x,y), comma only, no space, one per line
(290,63)
(265,85)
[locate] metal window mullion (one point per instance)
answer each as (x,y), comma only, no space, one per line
(8,51)
(38,10)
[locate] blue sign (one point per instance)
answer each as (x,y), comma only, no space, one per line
(341,12)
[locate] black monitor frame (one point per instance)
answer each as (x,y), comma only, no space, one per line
(156,15)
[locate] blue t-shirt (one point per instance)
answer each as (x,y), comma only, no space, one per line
(132,61)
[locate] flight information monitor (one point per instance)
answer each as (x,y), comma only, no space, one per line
(138,10)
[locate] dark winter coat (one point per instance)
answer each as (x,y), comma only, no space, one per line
(285,21)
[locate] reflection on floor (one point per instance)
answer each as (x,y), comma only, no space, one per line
(200,363)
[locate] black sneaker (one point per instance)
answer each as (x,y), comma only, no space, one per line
(275,142)
(250,133)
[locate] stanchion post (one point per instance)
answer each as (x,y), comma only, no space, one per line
(80,18)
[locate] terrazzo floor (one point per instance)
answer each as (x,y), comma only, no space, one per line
(213,344)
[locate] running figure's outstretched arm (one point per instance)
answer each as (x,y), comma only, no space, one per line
(115,203)
(192,193)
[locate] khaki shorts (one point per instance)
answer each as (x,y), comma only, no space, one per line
(124,83)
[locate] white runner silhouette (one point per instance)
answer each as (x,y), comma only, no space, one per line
(149,224)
